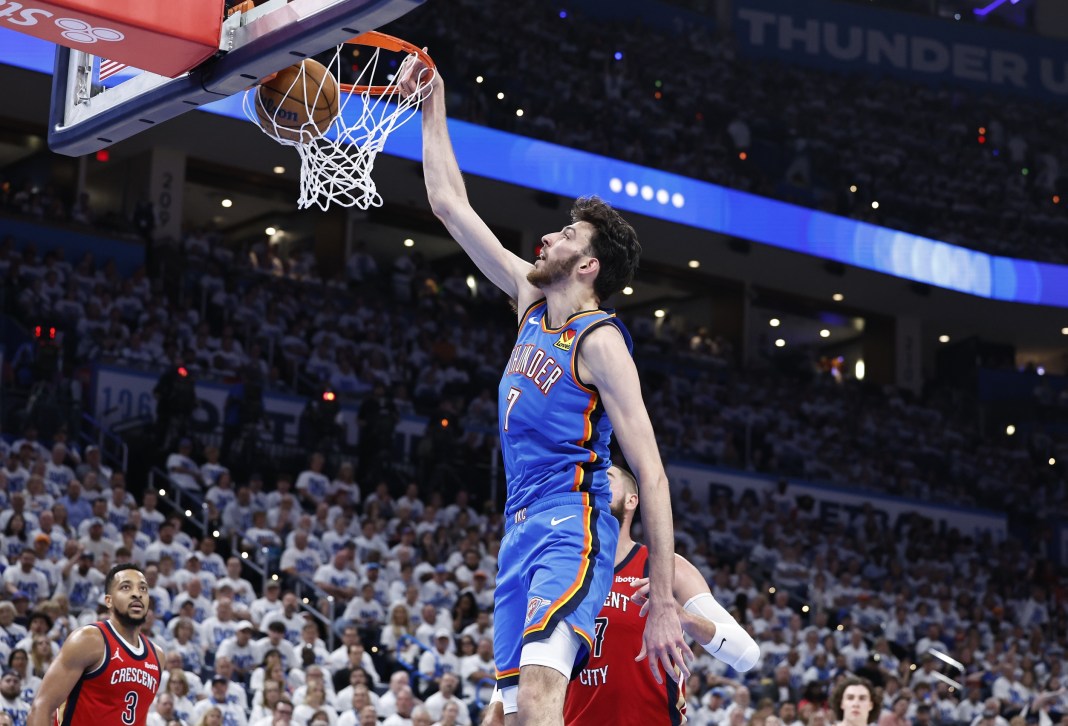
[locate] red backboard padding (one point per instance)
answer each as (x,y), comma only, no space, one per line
(167,38)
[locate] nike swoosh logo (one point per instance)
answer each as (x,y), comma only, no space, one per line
(721,644)
(556,521)
(533,321)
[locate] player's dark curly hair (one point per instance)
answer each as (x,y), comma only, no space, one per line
(121,567)
(615,245)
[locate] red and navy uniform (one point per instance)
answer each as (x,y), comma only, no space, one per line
(613,683)
(119,691)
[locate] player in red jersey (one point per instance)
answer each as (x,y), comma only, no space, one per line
(614,683)
(106,672)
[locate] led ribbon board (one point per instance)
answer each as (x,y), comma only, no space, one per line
(568,172)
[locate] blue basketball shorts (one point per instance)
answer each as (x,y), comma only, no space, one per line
(555,565)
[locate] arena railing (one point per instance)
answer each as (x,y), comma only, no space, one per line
(255,561)
(113,449)
(180,500)
(309,596)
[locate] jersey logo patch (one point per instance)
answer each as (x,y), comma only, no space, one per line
(533,321)
(535,605)
(117,656)
(565,340)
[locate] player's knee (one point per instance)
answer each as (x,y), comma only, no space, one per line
(493,714)
(541,689)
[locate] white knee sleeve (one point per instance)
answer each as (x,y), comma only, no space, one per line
(731,644)
(558,651)
(510,698)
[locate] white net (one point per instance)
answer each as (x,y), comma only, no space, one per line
(341,129)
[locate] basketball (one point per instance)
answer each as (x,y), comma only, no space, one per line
(299,103)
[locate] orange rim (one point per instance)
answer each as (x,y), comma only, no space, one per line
(388,42)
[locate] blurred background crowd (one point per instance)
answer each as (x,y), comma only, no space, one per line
(346,576)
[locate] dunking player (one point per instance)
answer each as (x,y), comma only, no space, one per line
(613,684)
(569,380)
(106,672)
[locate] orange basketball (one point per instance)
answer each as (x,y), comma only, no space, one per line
(299,103)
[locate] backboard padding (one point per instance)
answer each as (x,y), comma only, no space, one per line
(273,39)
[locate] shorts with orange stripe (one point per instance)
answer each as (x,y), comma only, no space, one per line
(556,564)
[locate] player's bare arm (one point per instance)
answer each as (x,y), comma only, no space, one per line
(449,202)
(689,583)
(705,620)
(605,363)
(82,651)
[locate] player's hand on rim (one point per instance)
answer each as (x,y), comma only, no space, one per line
(663,642)
(412,72)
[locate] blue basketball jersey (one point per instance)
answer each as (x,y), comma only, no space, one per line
(554,432)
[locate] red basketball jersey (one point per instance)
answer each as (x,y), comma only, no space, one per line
(119,691)
(612,684)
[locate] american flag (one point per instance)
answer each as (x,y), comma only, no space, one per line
(109,68)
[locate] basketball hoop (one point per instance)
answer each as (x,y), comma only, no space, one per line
(338,155)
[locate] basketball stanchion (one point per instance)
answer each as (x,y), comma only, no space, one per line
(339,128)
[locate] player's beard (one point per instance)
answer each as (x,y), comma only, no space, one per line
(552,272)
(618,511)
(127,620)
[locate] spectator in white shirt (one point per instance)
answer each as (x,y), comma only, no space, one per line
(477,668)
(57,474)
(312,485)
(219,627)
(404,705)
(290,616)
(211,470)
(151,518)
(300,559)
(337,537)
(183,471)
(439,659)
(240,518)
(221,492)
(194,596)
(240,588)
(270,602)
(446,694)
(27,579)
(167,545)
(337,578)
(238,649)
(275,641)
(439,591)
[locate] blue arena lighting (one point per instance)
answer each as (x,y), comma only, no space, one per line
(568,172)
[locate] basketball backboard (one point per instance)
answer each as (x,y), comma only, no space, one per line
(97,102)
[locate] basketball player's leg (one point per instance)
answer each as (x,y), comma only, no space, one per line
(569,580)
(546,667)
(509,612)
(493,713)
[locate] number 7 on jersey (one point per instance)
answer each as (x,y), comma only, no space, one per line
(513,396)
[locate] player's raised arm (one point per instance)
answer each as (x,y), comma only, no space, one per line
(449,202)
(82,651)
(605,363)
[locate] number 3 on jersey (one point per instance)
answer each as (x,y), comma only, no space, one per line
(129,716)
(513,396)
